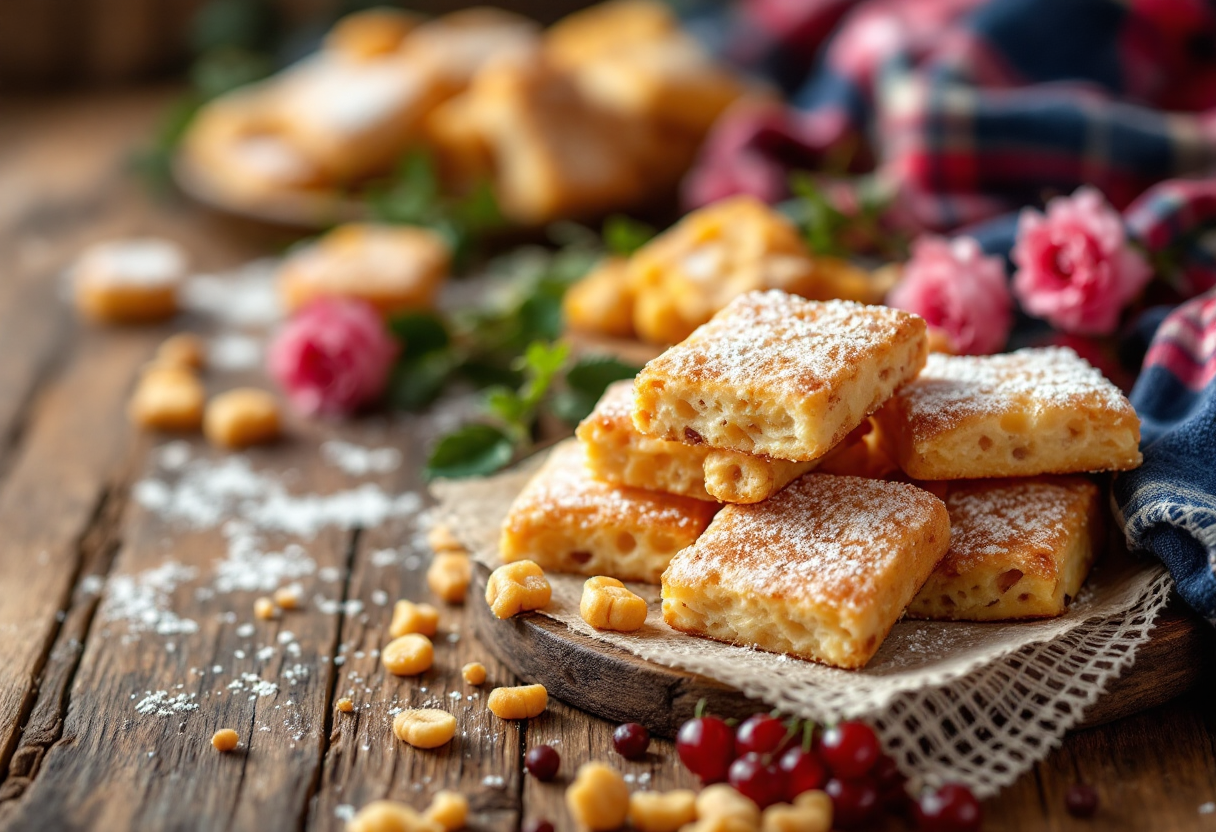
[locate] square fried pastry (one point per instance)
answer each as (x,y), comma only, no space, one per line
(714,254)
(822,570)
(775,375)
(1034,411)
(618,454)
(566,521)
(1018,549)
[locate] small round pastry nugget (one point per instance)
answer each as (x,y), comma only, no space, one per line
(129,281)
(241,418)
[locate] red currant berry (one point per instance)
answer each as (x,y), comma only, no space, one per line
(542,762)
(706,746)
(850,749)
(760,733)
(537,825)
(753,777)
(854,801)
(803,772)
(952,808)
(631,740)
(1081,801)
(891,783)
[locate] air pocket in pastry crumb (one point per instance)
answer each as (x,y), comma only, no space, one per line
(775,375)
(1018,549)
(1034,411)
(822,570)
(566,521)
(619,454)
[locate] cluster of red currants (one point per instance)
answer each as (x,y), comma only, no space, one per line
(771,761)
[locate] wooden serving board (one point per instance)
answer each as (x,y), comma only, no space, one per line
(616,685)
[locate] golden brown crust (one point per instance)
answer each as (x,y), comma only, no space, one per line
(619,454)
(1019,548)
(778,376)
(566,521)
(822,570)
(1034,411)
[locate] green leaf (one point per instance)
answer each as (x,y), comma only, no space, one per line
(572,406)
(473,450)
(505,404)
(539,317)
(543,360)
(421,332)
(411,195)
(416,382)
(593,374)
(225,68)
(624,235)
(585,384)
(154,164)
(248,24)
(483,372)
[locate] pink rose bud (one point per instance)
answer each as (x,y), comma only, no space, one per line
(959,291)
(333,357)
(1074,266)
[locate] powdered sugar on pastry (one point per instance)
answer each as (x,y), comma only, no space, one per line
(824,539)
(1019,548)
(1034,411)
(813,344)
(775,375)
(822,570)
(953,388)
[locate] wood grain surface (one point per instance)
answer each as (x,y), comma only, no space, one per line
(76,754)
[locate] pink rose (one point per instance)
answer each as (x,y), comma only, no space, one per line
(1074,267)
(958,290)
(333,357)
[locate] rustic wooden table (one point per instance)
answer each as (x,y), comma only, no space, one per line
(80,745)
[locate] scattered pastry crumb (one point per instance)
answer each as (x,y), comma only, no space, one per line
(289,597)
(474,673)
(521,702)
(225,739)
(264,609)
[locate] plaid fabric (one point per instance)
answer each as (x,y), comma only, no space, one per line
(970,109)
(1168,505)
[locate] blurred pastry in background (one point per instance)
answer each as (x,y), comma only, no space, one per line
(605,109)
(395,268)
(236,144)
(129,281)
(457,46)
(602,302)
(595,32)
(552,152)
(685,275)
(371,33)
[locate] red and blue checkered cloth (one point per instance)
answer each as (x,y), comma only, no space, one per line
(969,110)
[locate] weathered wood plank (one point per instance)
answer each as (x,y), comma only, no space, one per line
(1154,770)
(176,655)
(365,761)
(71,453)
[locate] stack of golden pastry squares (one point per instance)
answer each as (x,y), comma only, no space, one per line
(798,475)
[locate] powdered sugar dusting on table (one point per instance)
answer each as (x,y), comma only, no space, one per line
(953,388)
(775,340)
(824,539)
